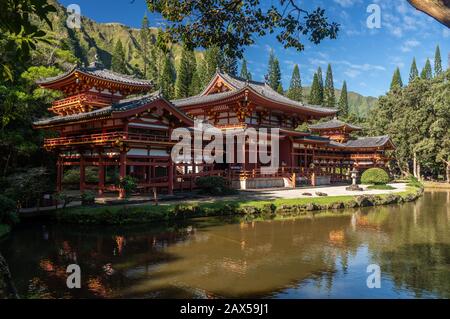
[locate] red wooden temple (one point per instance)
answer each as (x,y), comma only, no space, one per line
(98,126)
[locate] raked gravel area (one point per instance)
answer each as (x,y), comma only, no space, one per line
(329,190)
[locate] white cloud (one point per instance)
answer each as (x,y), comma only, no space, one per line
(351,73)
(446,33)
(409,45)
(347,3)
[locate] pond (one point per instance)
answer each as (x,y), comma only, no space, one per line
(321,256)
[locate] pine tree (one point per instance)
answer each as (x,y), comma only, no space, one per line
(145,42)
(274,72)
(329,98)
(280,89)
(314,95)
(414,72)
(196,84)
(229,64)
(437,62)
(244,72)
(427,72)
(396,80)
(118,63)
(321,89)
(166,80)
(295,91)
(343,101)
(185,72)
(212,63)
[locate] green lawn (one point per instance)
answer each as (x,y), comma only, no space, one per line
(381,187)
(145,213)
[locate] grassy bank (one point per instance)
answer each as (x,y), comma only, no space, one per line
(126,214)
(4,230)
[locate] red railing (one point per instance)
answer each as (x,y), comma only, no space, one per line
(101,138)
(84,98)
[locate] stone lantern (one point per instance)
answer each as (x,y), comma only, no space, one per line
(354,176)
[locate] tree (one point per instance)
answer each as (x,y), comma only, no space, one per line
(145,42)
(229,64)
(118,62)
(314,95)
(207,23)
(212,63)
(196,84)
(167,77)
(343,102)
(328,93)
(427,72)
(245,74)
(414,72)
(321,88)
(280,89)
(396,80)
(437,9)
(185,73)
(417,118)
(437,62)
(274,72)
(19,34)
(295,91)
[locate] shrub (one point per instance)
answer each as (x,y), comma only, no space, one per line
(214,185)
(414,182)
(375,176)
(128,184)
(8,214)
(72,176)
(88,198)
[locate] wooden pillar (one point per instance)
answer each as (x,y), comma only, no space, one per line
(82,173)
(122,170)
(59,174)
(170,176)
(101,173)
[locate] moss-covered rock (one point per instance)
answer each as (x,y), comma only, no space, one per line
(338,205)
(364,201)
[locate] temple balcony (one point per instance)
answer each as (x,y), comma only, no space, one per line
(114,138)
(83,102)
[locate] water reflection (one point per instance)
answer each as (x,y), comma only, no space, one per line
(320,256)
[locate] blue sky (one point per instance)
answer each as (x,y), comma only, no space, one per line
(365,58)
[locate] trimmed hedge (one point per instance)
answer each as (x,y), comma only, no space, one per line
(214,185)
(376,176)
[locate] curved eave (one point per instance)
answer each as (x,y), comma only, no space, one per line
(261,99)
(346,128)
(73,74)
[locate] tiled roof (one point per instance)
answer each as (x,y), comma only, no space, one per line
(372,141)
(101,73)
(121,106)
(334,123)
(260,88)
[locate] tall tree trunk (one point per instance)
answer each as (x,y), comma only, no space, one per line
(419,176)
(415,165)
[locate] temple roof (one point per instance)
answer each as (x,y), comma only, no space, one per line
(239,85)
(365,142)
(334,124)
(372,141)
(98,72)
(122,106)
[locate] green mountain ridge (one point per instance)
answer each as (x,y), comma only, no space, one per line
(70,46)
